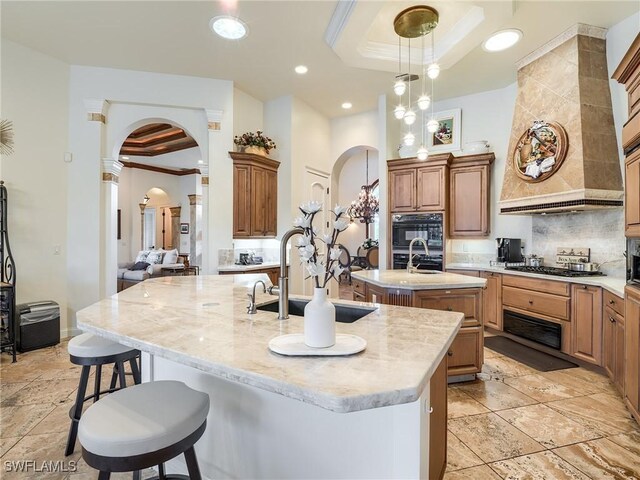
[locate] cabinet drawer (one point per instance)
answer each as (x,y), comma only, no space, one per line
(358,285)
(358,297)
(466,352)
(611,316)
(552,305)
(466,301)
(613,302)
(537,284)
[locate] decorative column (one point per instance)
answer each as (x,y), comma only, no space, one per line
(207,253)
(142,207)
(110,174)
(195,229)
(223,213)
(175,227)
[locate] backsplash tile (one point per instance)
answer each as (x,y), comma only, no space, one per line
(601,231)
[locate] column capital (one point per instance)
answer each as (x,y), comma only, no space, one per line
(142,207)
(195,199)
(111,170)
(214,118)
(96,109)
(175,211)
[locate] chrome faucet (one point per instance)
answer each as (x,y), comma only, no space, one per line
(251,308)
(410,267)
(282,290)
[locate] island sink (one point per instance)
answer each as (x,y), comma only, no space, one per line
(344,313)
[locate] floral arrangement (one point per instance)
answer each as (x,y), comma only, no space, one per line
(322,267)
(369,243)
(257,139)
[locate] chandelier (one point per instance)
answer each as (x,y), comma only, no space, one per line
(416,22)
(366,207)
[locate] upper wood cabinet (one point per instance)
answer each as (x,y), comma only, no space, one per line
(469,196)
(418,186)
(255,195)
(586,322)
(632,350)
(628,73)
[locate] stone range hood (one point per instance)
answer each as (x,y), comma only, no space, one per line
(566,81)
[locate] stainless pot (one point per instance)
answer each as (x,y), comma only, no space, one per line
(584,267)
(533,261)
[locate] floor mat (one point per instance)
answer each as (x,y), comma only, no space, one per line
(533,358)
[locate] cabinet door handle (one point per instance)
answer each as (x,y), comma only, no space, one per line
(612,320)
(612,302)
(530,302)
(450,353)
(584,287)
(449,309)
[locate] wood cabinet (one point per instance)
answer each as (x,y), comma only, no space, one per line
(466,354)
(492,300)
(468,273)
(272,272)
(586,323)
(418,186)
(632,194)
(375,293)
(469,196)
(438,422)
(255,195)
(613,346)
(359,290)
(628,73)
(632,350)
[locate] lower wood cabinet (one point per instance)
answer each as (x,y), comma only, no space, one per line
(586,323)
(613,346)
(466,354)
(438,422)
(632,350)
(492,300)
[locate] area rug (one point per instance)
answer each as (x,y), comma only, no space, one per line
(533,358)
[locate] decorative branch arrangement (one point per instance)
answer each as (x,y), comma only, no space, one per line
(6,137)
(321,270)
(257,139)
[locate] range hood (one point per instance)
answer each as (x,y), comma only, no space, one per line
(564,83)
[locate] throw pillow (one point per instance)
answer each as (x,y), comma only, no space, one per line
(155,257)
(142,256)
(140,266)
(170,256)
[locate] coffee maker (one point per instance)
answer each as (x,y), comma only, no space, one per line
(509,250)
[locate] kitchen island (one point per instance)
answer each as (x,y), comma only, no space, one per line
(438,291)
(363,416)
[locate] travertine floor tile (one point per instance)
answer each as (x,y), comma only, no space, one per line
(57,421)
(18,421)
(488,353)
(496,395)
(9,389)
(459,404)
(474,473)
(7,443)
(543,389)
(548,427)
(602,459)
(42,391)
(500,367)
(492,438)
(629,441)
(573,379)
(459,456)
(543,465)
(602,411)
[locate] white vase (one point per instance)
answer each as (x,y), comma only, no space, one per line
(319,321)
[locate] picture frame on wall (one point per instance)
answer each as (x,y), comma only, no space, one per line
(448,136)
(184,228)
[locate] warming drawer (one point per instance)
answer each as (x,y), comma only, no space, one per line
(544,303)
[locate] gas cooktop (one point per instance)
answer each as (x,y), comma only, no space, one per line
(560,272)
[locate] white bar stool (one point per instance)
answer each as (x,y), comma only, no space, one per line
(92,350)
(142,426)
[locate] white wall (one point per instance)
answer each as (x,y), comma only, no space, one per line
(35,97)
(354,130)
(352,177)
(248,113)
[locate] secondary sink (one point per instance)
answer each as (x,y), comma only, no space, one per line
(344,313)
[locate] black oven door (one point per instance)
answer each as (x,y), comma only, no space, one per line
(635,269)
(407,227)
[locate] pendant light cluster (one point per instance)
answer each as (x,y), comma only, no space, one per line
(416,22)
(367,206)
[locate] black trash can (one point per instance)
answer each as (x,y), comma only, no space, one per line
(37,325)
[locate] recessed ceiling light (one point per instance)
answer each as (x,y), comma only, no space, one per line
(229,27)
(301,69)
(502,40)
(124,158)
(347,105)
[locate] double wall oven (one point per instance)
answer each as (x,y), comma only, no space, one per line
(405,228)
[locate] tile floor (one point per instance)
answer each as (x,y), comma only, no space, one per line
(512,422)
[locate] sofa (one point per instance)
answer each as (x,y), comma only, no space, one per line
(130,273)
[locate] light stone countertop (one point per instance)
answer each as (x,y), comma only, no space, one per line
(201,322)
(614,285)
(418,281)
(247,268)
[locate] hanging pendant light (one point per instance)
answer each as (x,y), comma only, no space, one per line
(400,87)
(367,206)
(409,117)
(423,102)
(433,71)
(432,126)
(409,139)
(423,153)
(399,111)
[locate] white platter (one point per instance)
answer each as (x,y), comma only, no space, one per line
(293,345)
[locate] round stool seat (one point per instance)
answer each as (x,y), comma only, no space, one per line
(89,345)
(142,419)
